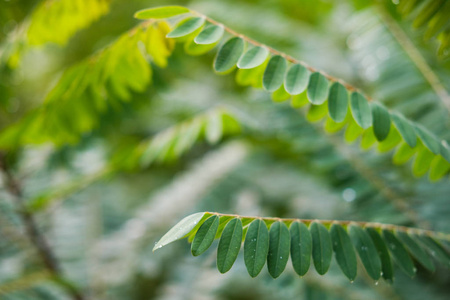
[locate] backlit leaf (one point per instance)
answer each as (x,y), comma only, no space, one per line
(160,12)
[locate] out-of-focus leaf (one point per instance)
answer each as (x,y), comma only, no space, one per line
(274,74)
(338,102)
(361,110)
(317,88)
(161,12)
(253,58)
(229,54)
(297,79)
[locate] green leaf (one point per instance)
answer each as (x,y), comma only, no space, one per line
(296,79)
(256,247)
(214,128)
(280,95)
(299,100)
(445,150)
(344,251)
(403,154)
(229,54)
(368,139)
(381,121)
(333,127)
(386,262)
(205,235)
(301,247)
(229,245)
(317,112)
(161,12)
(361,110)
(393,139)
(405,128)
(192,48)
(439,168)
(352,132)
(274,74)
(317,88)
(416,250)
(180,230)
(422,162)
(366,250)
(399,253)
(279,245)
(338,102)
(209,35)
(428,139)
(322,249)
(435,249)
(253,58)
(186,27)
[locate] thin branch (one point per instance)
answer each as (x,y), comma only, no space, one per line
(415,56)
(36,237)
(276,52)
(411,230)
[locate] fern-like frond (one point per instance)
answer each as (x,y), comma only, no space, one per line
(98,84)
(272,240)
(341,104)
(51,22)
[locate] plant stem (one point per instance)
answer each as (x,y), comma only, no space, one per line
(36,238)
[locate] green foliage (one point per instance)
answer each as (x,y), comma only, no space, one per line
(319,242)
(162,12)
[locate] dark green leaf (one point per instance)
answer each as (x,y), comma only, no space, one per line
(229,54)
(229,245)
(254,57)
(256,247)
(301,247)
(186,26)
(178,231)
(361,110)
(428,139)
(399,253)
(344,251)
(161,12)
(385,257)
(209,35)
(279,245)
(405,128)
(435,249)
(274,74)
(296,79)
(416,250)
(338,102)
(322,249)
(381,121)
(317,88)
(366,250)
(205,235)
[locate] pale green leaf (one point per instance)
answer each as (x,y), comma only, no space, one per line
(296,79)
(317,88)
(338,102)
(274,74)
(253,58)
(161,12)
(229,54)
(209,35)
(186,26)
(361,110)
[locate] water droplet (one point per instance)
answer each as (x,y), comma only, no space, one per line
(376,282)
(351,281)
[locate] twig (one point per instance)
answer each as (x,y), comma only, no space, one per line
(36,237)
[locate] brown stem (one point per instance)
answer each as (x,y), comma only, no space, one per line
(36,237)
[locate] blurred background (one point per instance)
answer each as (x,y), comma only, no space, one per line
(101,223)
